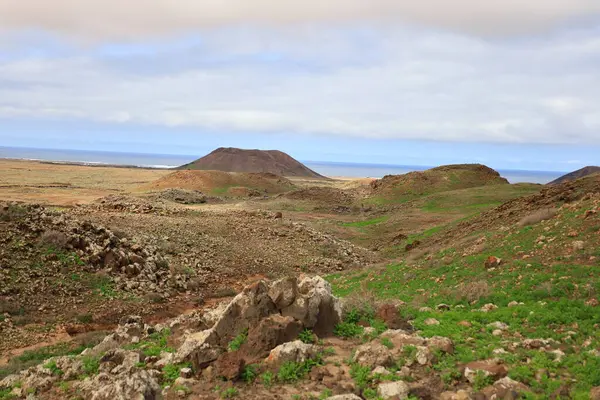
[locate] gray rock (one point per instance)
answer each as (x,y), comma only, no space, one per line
(373,354)
(393,390)
(283,292)
(296,351)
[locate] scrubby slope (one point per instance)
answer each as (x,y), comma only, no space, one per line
(224,183)
(240,160)
(580,173)
(439,179)
(522,290)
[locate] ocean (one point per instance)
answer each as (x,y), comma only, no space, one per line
(332,169)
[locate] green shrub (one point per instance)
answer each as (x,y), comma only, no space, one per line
(291,372)
(171,372)
(348,330)
(90,365)
(51,365)
(5,394)
(361,375)
(229,393)
(267,379)
(387,343)
(238,341)
(307,336)
(250,373)
(481,381)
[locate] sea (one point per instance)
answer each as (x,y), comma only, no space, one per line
(165,161)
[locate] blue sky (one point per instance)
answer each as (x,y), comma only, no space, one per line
(376,81)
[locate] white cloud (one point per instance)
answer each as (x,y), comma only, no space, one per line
(383,83)
(117,19)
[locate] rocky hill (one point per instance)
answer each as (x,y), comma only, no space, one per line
(241,160)
(439,179)
(580,173)
(232,184)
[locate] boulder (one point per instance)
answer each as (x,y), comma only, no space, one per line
(230,365)
(373,354)
(402,338)
(393,390)
(505,387)
(315,306)
(244,311)
(441,343)
(498,325)
(197,346)
(270,333)
(296,351)
(283,292)
(139,385)
(389,314)
(460,395)
(349,396)
(424,356)
(119,361)
(431,321)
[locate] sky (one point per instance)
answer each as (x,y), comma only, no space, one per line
(511,84)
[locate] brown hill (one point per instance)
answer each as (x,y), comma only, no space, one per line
(224,183)
(240,160)
(580,173)
(439,179)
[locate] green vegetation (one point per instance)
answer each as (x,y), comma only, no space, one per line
(85,318)
(348,330)
(229,393)
(250,373)
(267,379)
(155,344)
(550,288)
(51,365)
(387,343)
(369,222)
(171,373)
(291,372)
(67,259)
(35,357)
(238,341)
(5,394)
(90,365)
(307,336)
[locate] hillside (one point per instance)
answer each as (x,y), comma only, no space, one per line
(580,173)
(240,160)
(224,183)
(439,179)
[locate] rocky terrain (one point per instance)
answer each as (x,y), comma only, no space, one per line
(446,284)
(273,340)
(256,161)
(580,173)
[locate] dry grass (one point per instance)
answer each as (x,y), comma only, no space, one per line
(473,291)
(537,217)
(363,301)
(12,212)
(54,239)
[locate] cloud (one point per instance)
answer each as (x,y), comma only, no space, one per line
(398,82)
(134,19)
